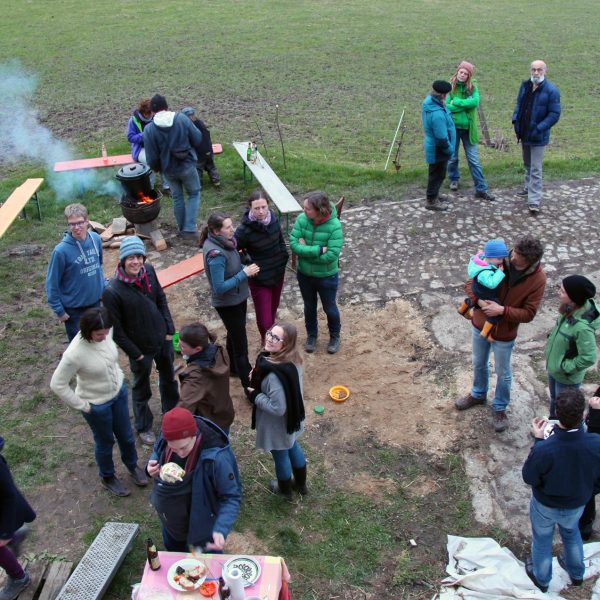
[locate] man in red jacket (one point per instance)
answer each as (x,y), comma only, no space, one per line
(520,295)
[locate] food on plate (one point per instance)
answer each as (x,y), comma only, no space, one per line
(171,473)
(188,578)
(208,588)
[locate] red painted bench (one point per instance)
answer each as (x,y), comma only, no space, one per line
(16,202)
(181,270)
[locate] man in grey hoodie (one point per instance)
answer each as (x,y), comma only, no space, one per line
(172,143)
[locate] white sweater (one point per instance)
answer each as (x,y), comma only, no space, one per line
(96,367)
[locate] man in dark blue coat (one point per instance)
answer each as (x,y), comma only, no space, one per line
(563,471)
(536,111)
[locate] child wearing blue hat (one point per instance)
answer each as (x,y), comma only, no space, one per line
(486,269)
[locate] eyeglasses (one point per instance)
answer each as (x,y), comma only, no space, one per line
(274,337)
(77,224)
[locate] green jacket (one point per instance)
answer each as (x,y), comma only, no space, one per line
(571,346)
(328,234)
(463,108)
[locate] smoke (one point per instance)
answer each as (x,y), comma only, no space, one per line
(23,137)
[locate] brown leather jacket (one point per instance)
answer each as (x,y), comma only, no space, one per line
(521,298)
(204,391)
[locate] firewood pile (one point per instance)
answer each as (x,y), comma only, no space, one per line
(113,233)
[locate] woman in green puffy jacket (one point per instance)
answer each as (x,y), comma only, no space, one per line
(571,346)
(462,102)
(316,239)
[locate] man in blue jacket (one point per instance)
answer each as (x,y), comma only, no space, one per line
(172,144)
(75,280)
(536,111)
(564,472)
(439,142)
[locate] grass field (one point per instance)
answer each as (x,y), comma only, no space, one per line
(341,74)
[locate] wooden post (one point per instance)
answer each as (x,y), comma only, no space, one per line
(484,127)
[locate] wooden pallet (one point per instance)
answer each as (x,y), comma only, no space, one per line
(47,579)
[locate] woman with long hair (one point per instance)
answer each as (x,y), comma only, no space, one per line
(228,280)
(260,235)
(462,102)
(278,411)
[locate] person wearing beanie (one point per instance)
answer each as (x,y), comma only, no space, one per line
(143,328)
(439,142)
(172,145)
(520,293)
(200,509)
(462,102)
(537,110)
(206,157)
(571,346)
(486,269)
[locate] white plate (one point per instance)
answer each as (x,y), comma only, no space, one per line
(185,563)
(249,568)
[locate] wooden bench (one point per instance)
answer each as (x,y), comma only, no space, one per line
(109,161)
(180,271)
(100,563)
(47,578)
(16,202)
(282,198)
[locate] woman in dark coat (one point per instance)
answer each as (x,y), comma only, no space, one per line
(14,513)
(260,235)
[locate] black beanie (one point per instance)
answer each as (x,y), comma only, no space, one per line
(158,103)
(441,87)
(579,288)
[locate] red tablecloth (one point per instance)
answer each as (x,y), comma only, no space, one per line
(271,585)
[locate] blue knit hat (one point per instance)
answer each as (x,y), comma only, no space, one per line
(131,245)
(495,249)
(188,110)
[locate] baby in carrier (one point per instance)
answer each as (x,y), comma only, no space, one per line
(486,269)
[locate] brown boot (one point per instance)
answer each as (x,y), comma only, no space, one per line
(465,309)
(486,330)
(500,421)
(468,402)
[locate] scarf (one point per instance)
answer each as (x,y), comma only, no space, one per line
(223,241)
(190,460)
(287,373)
(141,280)
(264,221)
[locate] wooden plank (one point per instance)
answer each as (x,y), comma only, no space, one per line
(15,203)
(56,577)
(281,196)
(36,571)
(180,271)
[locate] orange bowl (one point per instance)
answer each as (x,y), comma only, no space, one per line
(339,393)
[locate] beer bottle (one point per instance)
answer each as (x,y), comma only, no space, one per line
(224,592)
(249,152)
(152,553)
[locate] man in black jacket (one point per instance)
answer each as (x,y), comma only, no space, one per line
(143,329)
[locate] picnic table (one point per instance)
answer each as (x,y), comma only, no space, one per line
(282,198)
(271,585)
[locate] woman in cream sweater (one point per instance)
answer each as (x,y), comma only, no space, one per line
(101,396)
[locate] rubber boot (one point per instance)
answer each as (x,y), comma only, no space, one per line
(300,480)
(277,486)
(486,330)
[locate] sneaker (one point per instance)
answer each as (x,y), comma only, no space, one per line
(468,402)
(485,196)
(500,421)
(529,571)
(435,204)
(453,186)
(147,438)
(533,209)
(561,562)
(311,344)
(114,486)
(14,587)
(18,537)
(334,344)
(139,477)
(191,237)
(524,192)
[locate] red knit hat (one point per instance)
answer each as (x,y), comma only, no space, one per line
(178,423)
(467,66)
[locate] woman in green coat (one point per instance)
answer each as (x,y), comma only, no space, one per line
(317,239)
(571,346)
(462,102)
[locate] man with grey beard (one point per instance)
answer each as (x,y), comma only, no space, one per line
(536,111)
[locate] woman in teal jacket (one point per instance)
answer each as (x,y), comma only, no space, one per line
(317,239)
(571,346)
(462,102)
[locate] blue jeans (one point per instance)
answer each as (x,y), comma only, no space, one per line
(481,369)
(285,460)
(543,519)
(72,323)
(472,155)
(326,288)
(107,422)
(186,214)
(556,388)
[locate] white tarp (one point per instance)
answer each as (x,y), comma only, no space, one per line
(479,568)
